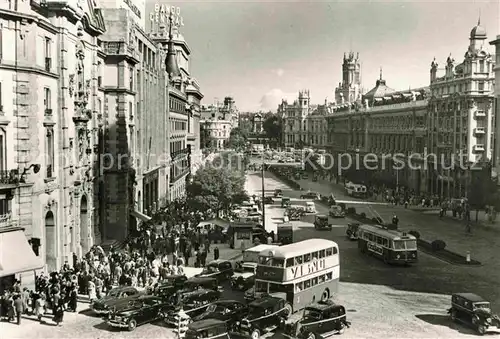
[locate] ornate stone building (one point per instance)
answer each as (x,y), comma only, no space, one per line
(350,89)
(295,132)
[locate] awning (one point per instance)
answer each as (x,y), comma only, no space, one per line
(16,255)
(139,215)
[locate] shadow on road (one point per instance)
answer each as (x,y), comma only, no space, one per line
(444,320)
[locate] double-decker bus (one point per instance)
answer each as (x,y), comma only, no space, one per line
(392,246)
(301,273)
(355,190)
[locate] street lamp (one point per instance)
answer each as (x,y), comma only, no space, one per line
(263,194)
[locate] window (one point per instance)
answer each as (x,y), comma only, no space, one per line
(480,86)
(3,152)
(99,75)
(48,60)
(1,41)
(481,66)
(49,147)
(329,276)
(328,252)
(307,257)
(130,111)
(46,100)
(1,103)
(289,262)
(298,260)
(131,84)
(307,284)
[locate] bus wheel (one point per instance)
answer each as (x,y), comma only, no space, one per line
(326,295)
(288,310)
(255,334)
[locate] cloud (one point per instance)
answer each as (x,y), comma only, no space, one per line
(279,72)
(272,99)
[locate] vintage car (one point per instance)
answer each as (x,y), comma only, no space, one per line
(116,298)
(352,231)
(321,319)
(321,222)
(243,276)
(310,195)
(208,283)
(336,212)
(193,303)
(264,315)
(268,200)
(142,310)
(207,329)
(473,311)
(170,285)
(278,193)
(221,270)
(285,202)
(229,311)
(294,213)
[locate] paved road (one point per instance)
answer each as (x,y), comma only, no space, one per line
(391,301)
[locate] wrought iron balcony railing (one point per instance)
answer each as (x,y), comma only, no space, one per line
(6,220)
(9,177)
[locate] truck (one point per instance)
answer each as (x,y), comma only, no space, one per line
(285,233)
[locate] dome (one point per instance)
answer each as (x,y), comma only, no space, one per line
(478,32)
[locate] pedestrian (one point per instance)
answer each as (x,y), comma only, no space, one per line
(59,313)
(39,306)
(73,299)
(216,253)
(25,297)
(468,229)
(92,290)
(18,307)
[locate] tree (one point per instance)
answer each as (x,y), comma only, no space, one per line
(206,138)
(216,189)
(273,128)
(482,189)
(238,138)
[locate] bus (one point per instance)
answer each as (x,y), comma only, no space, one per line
(301,273)
(392,246)
(285,233)
(356,190)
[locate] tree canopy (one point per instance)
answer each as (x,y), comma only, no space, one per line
(482,189)
(238,138)
(273,128)
(216,189)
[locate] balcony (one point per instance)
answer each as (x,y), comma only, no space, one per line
(478,148)
(48,64)
(180,153)
(6,220)
(479,114)
(9,178)
(479,131)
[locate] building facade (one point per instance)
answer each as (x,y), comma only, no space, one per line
(295,132)
(50,116)
(496,107)
(219,130)
(350,89)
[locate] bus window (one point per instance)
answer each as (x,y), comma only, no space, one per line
(278,262)
(315,255)
(335,251)
(260,286)
(411,244)
(321,254)
(399,245)
(329,276)
(298,260)
(321,279)
(385,242)
(289,262)
(379,240)
(307,257)
(264,260)
(314,281)
(307,284)
(299,287)
(328,252)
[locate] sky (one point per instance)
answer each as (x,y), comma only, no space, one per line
(259,52)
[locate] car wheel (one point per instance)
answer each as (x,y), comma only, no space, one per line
(255,334)
(453,315)
(288,310)
(311,336)
(342,328)
(481,329)
(326,295)
(132,324)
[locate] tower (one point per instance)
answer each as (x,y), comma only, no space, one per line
(477,37)
(304,100)
(349,90)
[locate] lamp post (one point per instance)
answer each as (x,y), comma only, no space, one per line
(263,194)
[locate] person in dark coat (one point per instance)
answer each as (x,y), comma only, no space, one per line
(18,308)
(216,253)
(59,313)
(73,299)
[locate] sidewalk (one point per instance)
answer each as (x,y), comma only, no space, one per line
(481,243)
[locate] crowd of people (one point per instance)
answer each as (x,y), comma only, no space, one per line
(143,262)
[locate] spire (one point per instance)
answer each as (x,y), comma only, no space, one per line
(479,18)
(380,73)
(171,61)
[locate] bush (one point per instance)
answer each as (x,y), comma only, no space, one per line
(363,215)
(416,234)
(438,245)
(351,210)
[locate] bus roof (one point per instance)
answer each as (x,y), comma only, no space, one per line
(300,248)
(391,234)
(260,248)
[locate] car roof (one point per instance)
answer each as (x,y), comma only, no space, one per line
(265,302)
(200,325)
(199,291)
(226,302)
(218,261)
(321,216)
(200,279)
(470,296)
(124,288)
(324,306)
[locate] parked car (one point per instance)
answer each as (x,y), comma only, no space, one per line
(229,311)
(319,320)
(310,195)
(336,212)
(142,310)
(207,329)
(243,276)
(285,202)
(310,207)
(116,298)
(278,193)
(193,303)
(268,200)
(221,270)
(170,285)
(473,311)
(264,315)
(208,283)
(352,231)
(321,222)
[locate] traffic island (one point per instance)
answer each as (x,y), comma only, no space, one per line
(445,255)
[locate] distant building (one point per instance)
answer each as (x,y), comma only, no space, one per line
(295,132)
(350,89)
